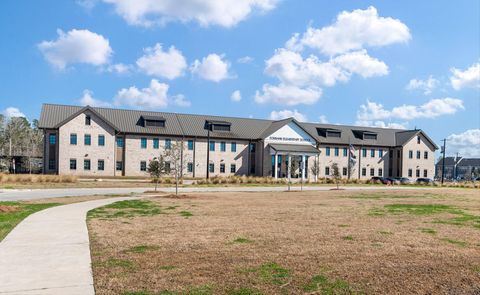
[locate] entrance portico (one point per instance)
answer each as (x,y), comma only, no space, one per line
(291,160)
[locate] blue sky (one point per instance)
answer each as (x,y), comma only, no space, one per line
(401,64)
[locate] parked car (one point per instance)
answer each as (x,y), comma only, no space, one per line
(378,179)
(424,181)
(403,180)
(392,180)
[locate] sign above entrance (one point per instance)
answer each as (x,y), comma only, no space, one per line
(290,134)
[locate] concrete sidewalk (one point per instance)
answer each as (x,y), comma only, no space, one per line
(49,252)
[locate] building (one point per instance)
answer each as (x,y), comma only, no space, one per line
(113,142)
(458,168)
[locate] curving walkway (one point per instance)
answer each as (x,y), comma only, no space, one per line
(49,252)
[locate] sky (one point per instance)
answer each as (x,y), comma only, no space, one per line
(393,64)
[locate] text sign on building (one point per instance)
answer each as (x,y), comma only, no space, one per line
(293,139)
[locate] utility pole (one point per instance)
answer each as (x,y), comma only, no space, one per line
(443,160)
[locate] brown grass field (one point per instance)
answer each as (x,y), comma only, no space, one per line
(335,242)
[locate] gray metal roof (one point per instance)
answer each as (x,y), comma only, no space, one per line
(129,121)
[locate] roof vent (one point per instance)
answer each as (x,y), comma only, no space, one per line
(153,121)
(221,126)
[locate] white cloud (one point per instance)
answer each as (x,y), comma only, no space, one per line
(236,96)
(165,64)
(352,31)
(212,68)
(323,119)
(156,96)
(76,46)
(245,60)
(225,13)
(466,144)
(427,86)
(288,95)
(180,101)
(469,78)
(373,114)
(87,4)
(88,99)
(119,68)
(360,63)
(12,112)
(279,115)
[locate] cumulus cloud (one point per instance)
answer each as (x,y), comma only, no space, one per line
(360,63)
(323,119)
(431,109)
(245,60)
(119,68)
(279,115)
(352,31)
(469,78)
(225,13)
(288,95)
(236,96)
(212,68)
(181,101)
(76,46)
(427,86)
(165,64)
(88,99)
(156,96)
(12,112)
(465,143)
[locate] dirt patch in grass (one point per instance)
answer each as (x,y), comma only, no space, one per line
(5,208)
(299,245)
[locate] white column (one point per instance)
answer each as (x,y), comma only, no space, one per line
(289,167)
(275,163)
(303,167)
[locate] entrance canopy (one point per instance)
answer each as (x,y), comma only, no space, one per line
(293,149)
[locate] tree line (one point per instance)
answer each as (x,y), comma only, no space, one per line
(20,143)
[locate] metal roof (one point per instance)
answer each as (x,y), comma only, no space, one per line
(129,121)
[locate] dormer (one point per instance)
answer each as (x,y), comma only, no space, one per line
(329,132)
(218,126)
(365,134)
(153,121)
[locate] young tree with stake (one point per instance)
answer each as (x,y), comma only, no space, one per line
(336,173)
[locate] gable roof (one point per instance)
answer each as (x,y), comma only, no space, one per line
(129,121)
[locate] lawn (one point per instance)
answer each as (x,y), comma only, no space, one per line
(332,242)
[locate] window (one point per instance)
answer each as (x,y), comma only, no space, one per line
(372,172)
(425,173)
(52,138)
(380,153)
(223,146)
(73,164)
(222,168)
(327,170)
(370,136)
(211,167)
(344,171)
(425,155)
(119,166)
(51,164)
(233,147)
(86,165)
(120,142)
(190,167)
(410,154)
(345,152)
(73,139)
(190,145)
(418,154)
(364,171)
(327,151)
(143,166)
(143,143)
(372,153)
(87,140)
(336,151)
(334,133)
(154,123)
(101,165)
(390,172)
(364,152)
(380,172)
(168,144)
(252,147)
(418,139)
(410,173)
(398,153)
(233,168)
(211,145)
(88,120)
(221,127)
(101,140)
(167,167)
(390,154)
(156,143)
(417,173)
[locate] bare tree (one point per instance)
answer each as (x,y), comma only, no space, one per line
(156,168)
(177,160)
(314,169)
(336,173)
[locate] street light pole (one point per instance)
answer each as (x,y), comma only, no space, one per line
(443,160)
(208,149)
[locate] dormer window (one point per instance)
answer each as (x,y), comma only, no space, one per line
(153,122)
(88,120)
(218,126)
(371,136)
(365,135)
(334,133)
